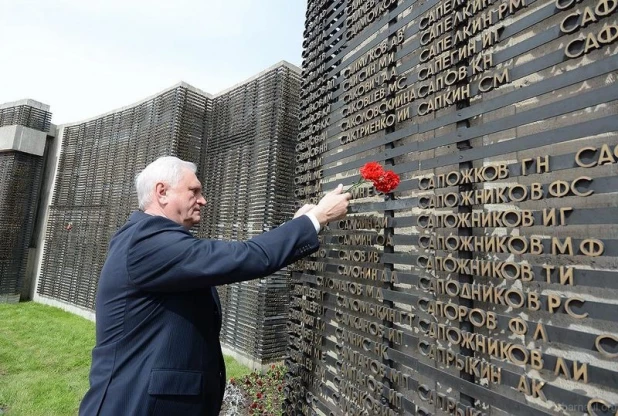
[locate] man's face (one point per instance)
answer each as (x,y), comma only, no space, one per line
(185,200)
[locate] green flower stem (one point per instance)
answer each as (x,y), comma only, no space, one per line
(356,185)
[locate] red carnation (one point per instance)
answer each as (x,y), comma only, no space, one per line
(371,171)
(383,181)
(387,183)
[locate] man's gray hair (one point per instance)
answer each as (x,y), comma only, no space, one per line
(166,169)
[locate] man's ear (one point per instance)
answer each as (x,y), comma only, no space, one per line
(161,192)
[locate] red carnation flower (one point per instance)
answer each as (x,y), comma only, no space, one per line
(383,181)
(371,171)
(387,183)
(254,405)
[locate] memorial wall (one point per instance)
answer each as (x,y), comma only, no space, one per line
(487,282)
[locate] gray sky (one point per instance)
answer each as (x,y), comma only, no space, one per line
(87,57)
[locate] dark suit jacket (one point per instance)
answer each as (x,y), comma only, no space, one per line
(158,317)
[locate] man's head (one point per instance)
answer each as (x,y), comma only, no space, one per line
(168,187)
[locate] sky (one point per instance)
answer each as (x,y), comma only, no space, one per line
(88,57)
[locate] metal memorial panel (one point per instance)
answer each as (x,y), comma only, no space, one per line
(248,175)
(487,282)
(25,115)
(20,181)
(94,188)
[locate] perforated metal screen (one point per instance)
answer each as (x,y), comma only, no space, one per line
(20,180)
(248,174)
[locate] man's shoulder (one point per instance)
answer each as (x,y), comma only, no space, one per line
(140,223)
(140,219)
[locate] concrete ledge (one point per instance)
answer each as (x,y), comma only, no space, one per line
(22,139)
(77,310)
(9,298)
(247,361)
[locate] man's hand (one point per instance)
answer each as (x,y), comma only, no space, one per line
(304,209)
(333,206)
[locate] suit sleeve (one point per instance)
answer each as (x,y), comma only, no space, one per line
(167,258)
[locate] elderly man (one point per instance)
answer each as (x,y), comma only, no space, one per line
(158,314)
